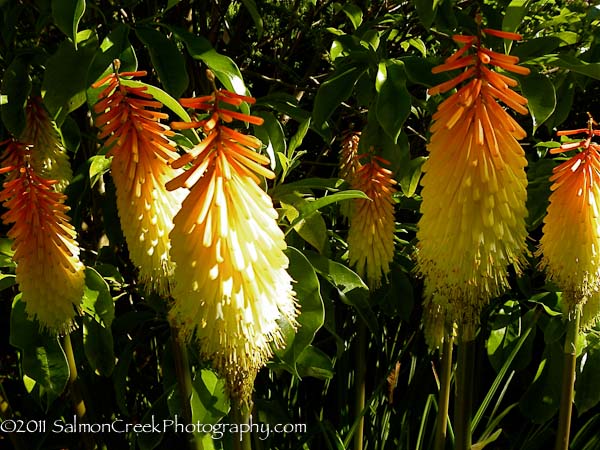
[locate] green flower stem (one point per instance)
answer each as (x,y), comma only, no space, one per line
(6,413)
(184,383)
(444,395)
(568,380)
(464,393)
(241,415)
(75,391)
(359,385)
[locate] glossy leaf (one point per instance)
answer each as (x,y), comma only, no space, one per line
(541,400)
(42,357)
(16,86)
(209,401)
(587,394)
(167,60)
(65,78)
(271,135)
(336,89)
(513,18)
(393,100)
(67,14)
(308,208)
(98,346)
(224,68)
(161,96)
(114,46)
(312,312)
(541,97)
(354,13)
(97,301)
(256,17)
(313,362)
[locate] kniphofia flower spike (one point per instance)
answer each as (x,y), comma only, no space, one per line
(349,165)
(231,284)
(474,187)
(49,273)
(570,246)
(372,224)
(141,150)
(50,159)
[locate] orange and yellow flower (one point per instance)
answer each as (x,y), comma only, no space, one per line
(141,150)
(50,159)
(231,284)
(372,224)
(49,272)
(570,246)
(474,187)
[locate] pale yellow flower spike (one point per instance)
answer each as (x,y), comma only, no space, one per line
(474,187)
(49,273)
(50,159)
(372,225)
(231,284)
(141,150)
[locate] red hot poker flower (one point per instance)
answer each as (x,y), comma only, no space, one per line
(141,150)
(231,284)
(49,273)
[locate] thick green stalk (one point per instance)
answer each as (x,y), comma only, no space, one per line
(6,413)
(444,394)
(360,368)
(568,381)
(75,391)
(241,415)
(464,393)
(184,383)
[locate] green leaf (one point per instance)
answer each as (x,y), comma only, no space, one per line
(426,10)
(209,400)
(336,89)
(313,362)
(587,394)
(97,301)
(418,71)
(6,253)
(312,311)
(310,207)
(354,13)
(99,165)
(271,135)
(67,14)
(298,137)
(166,59)
(256,17)
(393,101)
(306,185)
(513,18)
(98,346)
(114,46)
(536,46)
(16,85)
(541,400)
(65,79)
(573,64)
(7,280)
(42,358)
(226,71)
(156,414)
(161,96)
(541,97)
(410,175)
